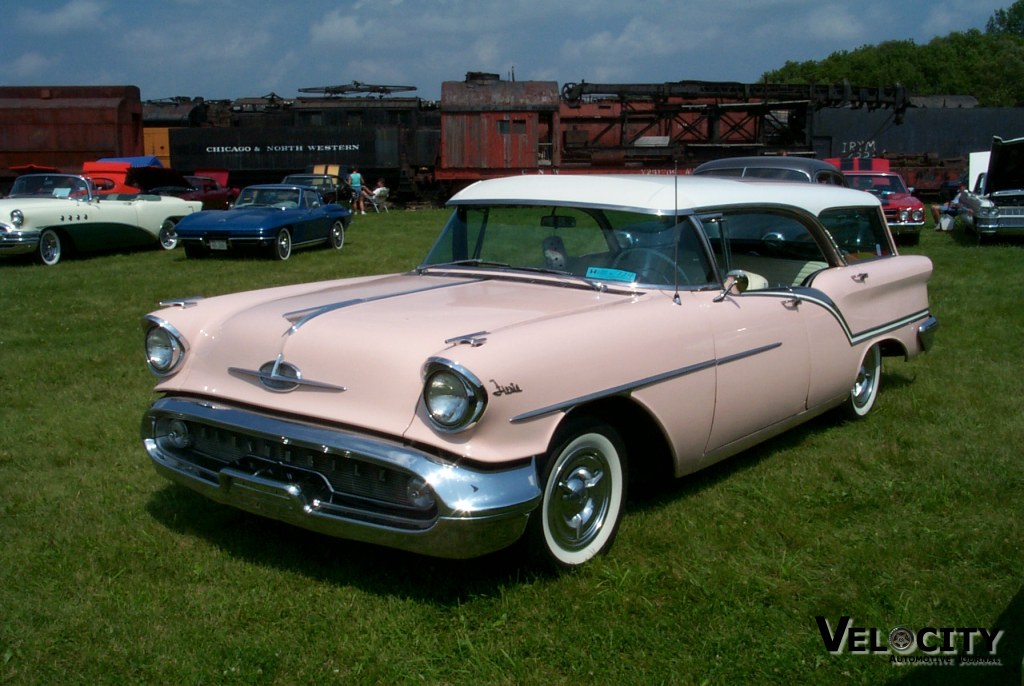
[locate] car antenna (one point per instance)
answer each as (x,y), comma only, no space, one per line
(678,231)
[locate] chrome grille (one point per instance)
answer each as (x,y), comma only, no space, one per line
(343,480)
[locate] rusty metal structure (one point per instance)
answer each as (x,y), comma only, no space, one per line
(483,126)
(63,126)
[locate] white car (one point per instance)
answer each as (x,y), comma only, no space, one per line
(53,214)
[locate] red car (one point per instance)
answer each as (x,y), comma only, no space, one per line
(110,177)
(903,212)
(211,186)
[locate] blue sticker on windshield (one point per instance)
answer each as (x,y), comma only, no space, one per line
(610,274)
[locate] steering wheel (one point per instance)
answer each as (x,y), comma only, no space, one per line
(650,266)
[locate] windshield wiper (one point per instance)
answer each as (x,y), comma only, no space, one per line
(596,285)
(590,283)
(464,263)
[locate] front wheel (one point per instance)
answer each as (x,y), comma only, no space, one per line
(282,247)
(584,490)
(865,388)
(336,238)
(50,247)
(168,237)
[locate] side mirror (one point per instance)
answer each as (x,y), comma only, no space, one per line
(736,282)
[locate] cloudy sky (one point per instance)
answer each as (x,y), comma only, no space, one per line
(224,49)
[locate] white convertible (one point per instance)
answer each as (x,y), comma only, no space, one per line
(52,214)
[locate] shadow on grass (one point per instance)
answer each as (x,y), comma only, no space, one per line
(372,568)
(382,570)
(1010,652)
(657,492)
(971,239)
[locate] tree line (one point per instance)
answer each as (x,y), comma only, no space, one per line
(988,65)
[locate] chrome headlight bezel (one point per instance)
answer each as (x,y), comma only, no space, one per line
(17,218)
(917,215)
(453,397)
(164,345)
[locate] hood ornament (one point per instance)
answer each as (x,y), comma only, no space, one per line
(282,377)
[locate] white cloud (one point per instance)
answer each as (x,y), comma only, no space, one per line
(337,28)
(76,15)
(32,65)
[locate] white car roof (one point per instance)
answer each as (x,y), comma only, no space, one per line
(656,193)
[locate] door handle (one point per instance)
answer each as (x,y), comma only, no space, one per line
(860,278)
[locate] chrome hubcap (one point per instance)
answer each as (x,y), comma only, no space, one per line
(864,386)
(579,503)
(49,247)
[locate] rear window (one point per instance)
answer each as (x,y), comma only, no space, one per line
(859,232)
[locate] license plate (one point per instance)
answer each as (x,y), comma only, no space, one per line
(218,245)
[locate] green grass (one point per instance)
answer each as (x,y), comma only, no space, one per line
(109,574)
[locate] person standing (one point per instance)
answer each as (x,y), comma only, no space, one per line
(355,180)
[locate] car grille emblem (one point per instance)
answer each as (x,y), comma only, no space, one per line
(280,376)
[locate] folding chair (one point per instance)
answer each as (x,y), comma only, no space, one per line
(379,199)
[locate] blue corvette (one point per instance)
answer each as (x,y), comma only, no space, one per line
(271,217)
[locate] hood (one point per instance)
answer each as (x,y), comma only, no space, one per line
(213,220)
(1005,166)
(148,178)
(218,175)
(370,337)
(900,200)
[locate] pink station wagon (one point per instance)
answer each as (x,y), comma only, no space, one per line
(565,335)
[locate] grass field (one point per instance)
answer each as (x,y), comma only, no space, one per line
(111,575)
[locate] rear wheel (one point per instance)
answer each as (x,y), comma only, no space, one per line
(50,247)
(282,246)
(865,387)
(584,490)
(168,237)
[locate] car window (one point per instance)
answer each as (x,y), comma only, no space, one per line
(859,232)
(618,246)
(776,250)
(724,171)
(776,173)
(830,179)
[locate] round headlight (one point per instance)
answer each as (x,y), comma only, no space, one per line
(917,215)
(904,215)
(17,218)
(164,350)
(454,398)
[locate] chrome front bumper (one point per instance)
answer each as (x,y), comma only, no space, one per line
(338,482)
(18,242)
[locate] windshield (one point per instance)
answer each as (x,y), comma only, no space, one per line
(600,245)
(268,197)
(49,186)
(879,184)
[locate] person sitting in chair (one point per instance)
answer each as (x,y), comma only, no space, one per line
(377,196)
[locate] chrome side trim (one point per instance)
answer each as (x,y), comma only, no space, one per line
(640,383)
(818,298)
